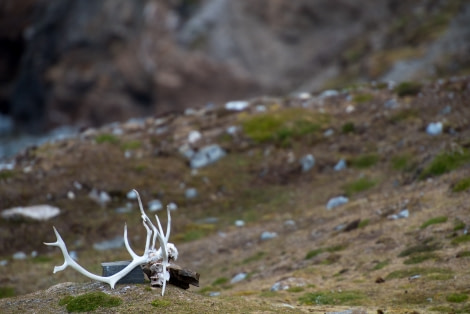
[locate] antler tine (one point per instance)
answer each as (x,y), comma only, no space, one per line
(111,280)
(126,243)
(147,222)
(168,226)
(164,251)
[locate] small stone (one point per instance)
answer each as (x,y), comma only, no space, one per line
(190,193)
(239,223)
(70,195)
(336,201)
(260,108)
(266,235)
(350,108)
(328,133)
(237,105)
(341,165)
(214,293)
(307,162)
(131,195)
(77,185)
(447,109)
(115,243)
(304,96)
(238,277)
(34,254)
(391,103)
(19,256)
(329,93)
(3,262)
(403,214)
(155,205)
(232,130)
(194,136)
(290,224)
(99,196)
(379,280)
(414,277)
(434,128)
(36,212)
(206,155)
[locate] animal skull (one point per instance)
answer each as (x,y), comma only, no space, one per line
(159,259)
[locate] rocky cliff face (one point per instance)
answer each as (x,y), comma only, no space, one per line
(70,62)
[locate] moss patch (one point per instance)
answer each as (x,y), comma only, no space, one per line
(160,303)
(365,161)
(419,258)
(408,89)
(445,162)
(90,302)
(359,185)
(106,138)
(433,221)
(461,185)
(457,297)
(7,292)
(332,298)
(461,239)
(408,272)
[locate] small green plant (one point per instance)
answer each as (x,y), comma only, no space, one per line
(131,145)
(336,248)
(220,281)
(6,174)
(463,254)
(359,185)
(461,185)
(363,223)
(405,114)
(106,138)
(361,98)
(433,221)
(365,161)
(194,232)
(457,297)
(445,162)
(348,127)
(461,239)
(7,292)
(90,302)
(295,289)
(419,258)
(402,162)
(313,253)
(332,298)
(408,272)
(420,248)
(160,303)
(408,89)
(381,264)
(459,225)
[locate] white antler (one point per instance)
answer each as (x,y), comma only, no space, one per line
(165,252)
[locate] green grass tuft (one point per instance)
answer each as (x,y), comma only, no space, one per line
(7,292)
(457,297)
(313,253)
(420,248)
(433,221)
(220,281)
(365,161)
(408,272)
(445,162)
(332,298)
(131,145)
(359,185)
(419,258)
(348,127)
(295,289)
(256,257)
(90,302)
(461,185)
(160,303)
(361,98)
(381,264)
(106,138)
(363,223)
(6,174)
(408,89)
(461,239)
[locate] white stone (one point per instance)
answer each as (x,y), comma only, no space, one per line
(19,255)
(266,235)
(237,105)
(434,128)
(206,155)
(238,277)
(341,165)
(36,212)
(336,201)
(155,205)
(131,195)
(194,136)
(239,223)
(307,162)
(172,206)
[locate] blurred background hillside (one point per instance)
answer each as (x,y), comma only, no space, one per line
(86,63)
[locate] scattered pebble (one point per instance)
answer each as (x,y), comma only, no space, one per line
(328,133)
(77,185)
(70,195)
(194,136)
(434,128)
(7,165)
(19,256)
(232,130)
(447,109)
(237,105)
(172,206)
(266,235)
(341,165)
(34,254)
(36,212)
(214,293)
(206,155)
(99,196)
(3,262)
(403,214)
(239,223)
(414,277)
(391,104)
(155,205)
(307,162)
(190,193)
(304,96)
(336,201)
(350,108)
(329,93)
(238,277)
(290,224)
(260,108)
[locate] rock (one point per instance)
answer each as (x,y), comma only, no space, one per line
(290,224)
(136,275)
(239,223)
(100,197)
(172,206)
(336,201)
(391,104)
(70,195)
(214,293)
(341,165)
(350,108)
(237,105)
(19,256)
(434,128)
(206,156)
(190,193)
(447,109)
(36,212)
(329,93)
(34,254)
(3,262)
(403,214)
(194,136)
(7,165)
(232,130)
(155,205)
(307,162)
(287,283)
(328,133)
(115,243)
(267,235)
(238,277)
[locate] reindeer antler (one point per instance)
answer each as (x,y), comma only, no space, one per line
(162,255)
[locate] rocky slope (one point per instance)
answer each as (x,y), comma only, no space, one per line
(258,211)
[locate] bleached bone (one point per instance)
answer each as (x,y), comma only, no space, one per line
(162,256)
